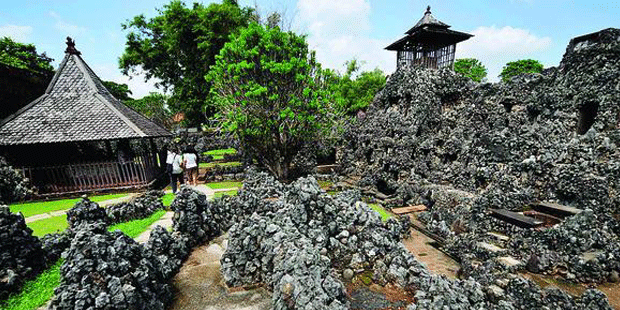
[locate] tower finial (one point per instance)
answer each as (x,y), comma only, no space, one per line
(428,10)
(71,47)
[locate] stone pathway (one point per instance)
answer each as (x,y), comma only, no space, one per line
(104,203)
(165,222)
(203,188)
(200,285)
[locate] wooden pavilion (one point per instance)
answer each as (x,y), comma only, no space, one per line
(429,44)
(77,137)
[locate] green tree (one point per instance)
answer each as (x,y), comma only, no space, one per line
(471,68)
(178,46)
(354,91)
(268,85)
(24,56)
(520,66)
(119,91)
(155,107)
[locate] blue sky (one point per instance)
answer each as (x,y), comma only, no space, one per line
(338,30)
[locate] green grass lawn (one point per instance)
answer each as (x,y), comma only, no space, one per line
(34,208)
(211,165)
(226,193)
(325,184)
(135,228)
(36,292)
(50,225)
(167,199)
(227,184)
(385,215)
(219,154)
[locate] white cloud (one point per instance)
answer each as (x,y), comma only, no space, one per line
(69,29)
(494,47)
(138,86)
(17,33)
(339,31)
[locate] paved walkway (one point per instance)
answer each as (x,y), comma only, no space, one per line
(104,203)
(210,192)
(165,222)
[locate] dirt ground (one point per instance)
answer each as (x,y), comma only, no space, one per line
(612,290)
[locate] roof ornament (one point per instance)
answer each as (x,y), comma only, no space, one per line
(428,10)
(71,47)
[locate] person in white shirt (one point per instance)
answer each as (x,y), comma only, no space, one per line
(177,171)
(191,166)
(169,158)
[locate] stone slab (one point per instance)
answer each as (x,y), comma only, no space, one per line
(490,247)
(509,261)
(409,209)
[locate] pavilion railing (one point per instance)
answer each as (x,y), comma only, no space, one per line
(96,176)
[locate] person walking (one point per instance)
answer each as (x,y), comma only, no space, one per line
(170,153)
(177,170)
(191,166)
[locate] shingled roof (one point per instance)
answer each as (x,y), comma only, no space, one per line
(75,107)
(429,30)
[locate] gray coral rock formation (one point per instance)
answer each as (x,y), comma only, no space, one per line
(307,245)
(18,248)
(552,136)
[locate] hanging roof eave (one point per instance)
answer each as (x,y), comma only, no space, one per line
(440,37)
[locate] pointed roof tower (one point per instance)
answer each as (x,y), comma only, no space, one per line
(76,107)
(428,20)
(429,43)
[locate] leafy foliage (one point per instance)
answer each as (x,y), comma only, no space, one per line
(267,82)
(24,56)
(520,66)
(352,94)
(471,68)
(178,46)
(119,91)
(154,107)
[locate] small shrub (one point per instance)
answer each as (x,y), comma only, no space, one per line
(515,68)
(471,68)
